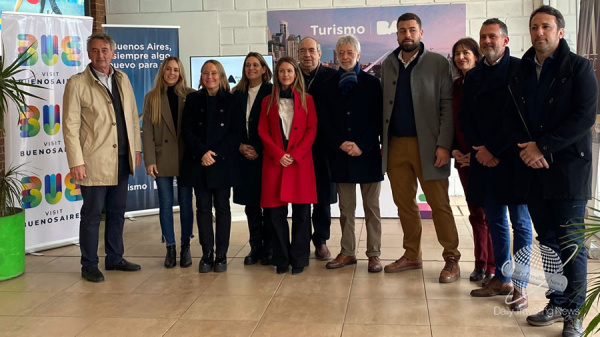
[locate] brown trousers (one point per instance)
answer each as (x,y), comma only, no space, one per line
(347,197)
(404,168)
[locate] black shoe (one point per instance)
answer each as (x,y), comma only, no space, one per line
(547,316)
(282,270)
(220,263)
(206,262)
(477,275)
(572,327)
(171,258)
(297,270)
(124,265)
(185,257)
(254,256)
(92,274)
(267,258)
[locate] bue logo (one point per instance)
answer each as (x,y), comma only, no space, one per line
(70,45)
(53,190)
(29,120)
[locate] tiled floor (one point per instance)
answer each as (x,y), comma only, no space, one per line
(51,299)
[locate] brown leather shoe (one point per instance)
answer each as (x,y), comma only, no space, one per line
(341,261)
(519,301)
(451,271)
(403,264)
(322,253)
(374,265)
(494,288)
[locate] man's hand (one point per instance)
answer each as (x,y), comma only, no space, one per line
(532,156)
(463,159)
(485,157)
(207,158)
(138,159)
(78,172)
(442,156)
(346,146)
(152,170)
(248,151)
(286,160)
(351,148)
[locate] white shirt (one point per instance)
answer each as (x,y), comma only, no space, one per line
(252,92)
(409,61)
(105,79)
(286,113)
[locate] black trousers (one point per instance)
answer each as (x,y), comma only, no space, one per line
(259,226)
(95,198)
(205,197)
(297,251)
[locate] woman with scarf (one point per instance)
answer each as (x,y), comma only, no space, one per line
(287,127)
(353,114)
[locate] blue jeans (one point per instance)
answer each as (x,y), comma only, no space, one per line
(549,218)
(165,202)
(500,232)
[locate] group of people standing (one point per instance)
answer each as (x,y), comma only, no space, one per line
(519,130)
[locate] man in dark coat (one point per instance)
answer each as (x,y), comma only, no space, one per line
(484,93)
(353,117)
(552,108)
(314,74)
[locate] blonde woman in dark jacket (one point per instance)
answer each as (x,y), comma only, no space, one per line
(163,148)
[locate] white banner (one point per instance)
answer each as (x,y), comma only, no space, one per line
(50,198)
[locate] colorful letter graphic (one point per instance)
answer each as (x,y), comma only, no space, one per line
(29,121)
(51,120)
(71,55)
(50,49)
(72,190)
(32,196)
(28,42)
(53,188)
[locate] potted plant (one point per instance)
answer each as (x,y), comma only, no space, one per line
(591,230)
(12,217)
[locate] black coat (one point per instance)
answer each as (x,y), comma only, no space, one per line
(485,91)
(357,117)
(203,131)
(565,135)
(248,192)
(326,191)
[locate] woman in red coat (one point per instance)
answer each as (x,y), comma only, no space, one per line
(287,127)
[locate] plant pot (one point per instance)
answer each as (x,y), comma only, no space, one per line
(12,249)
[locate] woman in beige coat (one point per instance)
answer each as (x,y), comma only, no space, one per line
(163,148)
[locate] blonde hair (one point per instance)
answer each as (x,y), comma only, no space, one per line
(298,84)
(160,87)
(223,82)
(244,83)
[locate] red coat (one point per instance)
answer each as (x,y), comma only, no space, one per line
(296,183)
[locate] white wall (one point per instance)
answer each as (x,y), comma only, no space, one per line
(235,27)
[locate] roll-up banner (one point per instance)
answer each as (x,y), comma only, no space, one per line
(375,28)
(140,51)
(50,198)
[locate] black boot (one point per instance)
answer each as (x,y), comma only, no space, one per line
(254,256)
(171,258)
(220,263)
(267,257)
(206,262)
(185,257)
